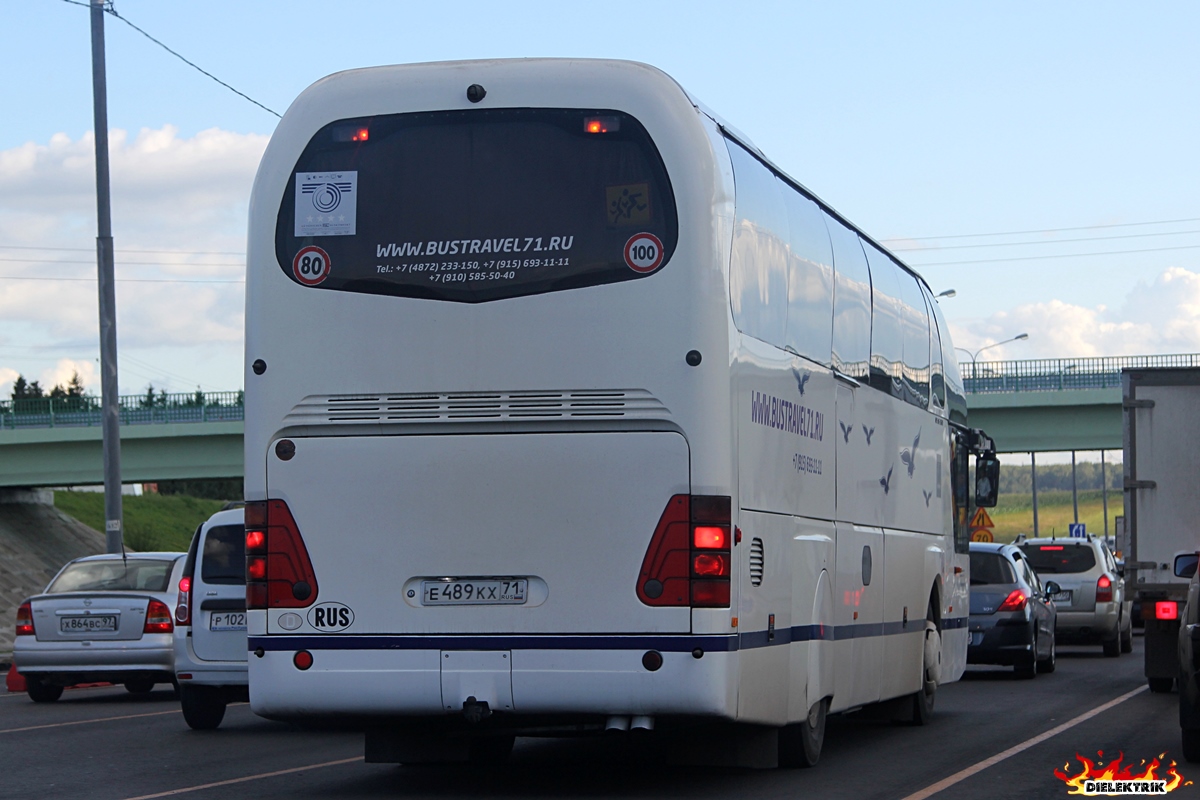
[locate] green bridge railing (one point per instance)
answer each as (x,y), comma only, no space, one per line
(144,409)
(1057,374)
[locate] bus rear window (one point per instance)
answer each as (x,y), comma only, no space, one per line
(478,205)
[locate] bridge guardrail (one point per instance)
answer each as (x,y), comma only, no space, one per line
(1058,374)
(146,409)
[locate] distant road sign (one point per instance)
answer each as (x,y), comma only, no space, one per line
(981,519)
(981,535)
(1078,530)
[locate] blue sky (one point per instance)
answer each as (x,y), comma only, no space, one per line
(914,120)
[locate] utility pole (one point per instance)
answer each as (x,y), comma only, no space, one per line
(109,399)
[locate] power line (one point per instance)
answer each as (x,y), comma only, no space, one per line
(123,263)
(119,280)
(108,7)
(1061,255)
(122,250)
(1042,230)
(1033,244)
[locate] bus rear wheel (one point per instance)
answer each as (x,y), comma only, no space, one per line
(800,744)
(923,700)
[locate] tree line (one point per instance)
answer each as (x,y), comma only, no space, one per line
(1018,479)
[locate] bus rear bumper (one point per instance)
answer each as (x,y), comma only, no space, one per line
(403,683)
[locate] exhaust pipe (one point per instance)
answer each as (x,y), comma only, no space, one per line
(617,723)
(642,723)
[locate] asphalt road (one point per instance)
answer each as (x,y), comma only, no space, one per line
(105,743)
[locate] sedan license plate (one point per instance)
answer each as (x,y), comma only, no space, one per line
(475,592)
(1061,597)
(227,621)
(107,622)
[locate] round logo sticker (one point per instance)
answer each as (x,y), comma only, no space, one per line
(644,252)
(311,265)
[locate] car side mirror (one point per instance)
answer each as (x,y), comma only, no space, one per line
(1052,588)
(1185,565)
(987,480)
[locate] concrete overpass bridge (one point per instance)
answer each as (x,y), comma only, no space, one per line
(1034,406)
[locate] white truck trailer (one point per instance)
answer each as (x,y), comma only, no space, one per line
(1162,503)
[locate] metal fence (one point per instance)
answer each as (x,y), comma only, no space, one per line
(1056,374)
(145,409)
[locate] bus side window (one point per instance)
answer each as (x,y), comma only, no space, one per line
(916,340)
(936,380)
(851,302)
(758,269)
(956,401)
(887,332)
(810,279)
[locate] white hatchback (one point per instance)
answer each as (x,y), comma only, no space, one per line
(210,621)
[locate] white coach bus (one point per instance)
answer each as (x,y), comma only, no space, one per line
(567,411)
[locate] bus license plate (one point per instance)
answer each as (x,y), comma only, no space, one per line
(227,621)
(474,592)
(87,624)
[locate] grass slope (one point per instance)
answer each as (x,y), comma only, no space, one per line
(1014,513)
(152,521)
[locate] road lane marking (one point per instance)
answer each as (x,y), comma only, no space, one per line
(260,776)
(962,775)
(87,721)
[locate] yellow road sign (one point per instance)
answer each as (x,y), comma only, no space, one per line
(981,519)
(981,535)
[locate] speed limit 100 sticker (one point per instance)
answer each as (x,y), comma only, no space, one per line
(644,252)
(311,265)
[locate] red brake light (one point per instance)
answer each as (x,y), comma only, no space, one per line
(279,573)
(707,537)
(1014,602)
(1166,609)
(360,135)
(183,605)
(601,124)
(1104,592)
(158,618)
(690,542)
(302,659)
(1051,547)
(25,620)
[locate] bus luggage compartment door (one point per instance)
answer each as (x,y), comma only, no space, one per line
(419,535)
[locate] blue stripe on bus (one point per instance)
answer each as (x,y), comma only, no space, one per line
(681,643)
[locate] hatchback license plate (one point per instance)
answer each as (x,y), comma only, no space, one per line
(227,621)
(475,592)
(1061,597)
(88,624)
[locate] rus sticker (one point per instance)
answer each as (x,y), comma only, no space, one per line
(326,203)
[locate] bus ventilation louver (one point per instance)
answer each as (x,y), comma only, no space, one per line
(756,561)
(279,573)
(689,557)
(470,407)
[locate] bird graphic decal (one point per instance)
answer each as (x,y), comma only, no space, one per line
(869,432)
(927,496)
(801,379)
(886,480)
(909,457)
(846,431)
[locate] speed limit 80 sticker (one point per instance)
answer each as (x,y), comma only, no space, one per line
(644,252)
(311,265)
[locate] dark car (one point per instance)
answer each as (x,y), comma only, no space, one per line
(1189,659)
(1012,616)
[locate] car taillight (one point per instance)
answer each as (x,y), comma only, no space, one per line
(25,620)
(158,618)
(688,560)
(279,573)
(1014,602)
(1166,609)
(1104,590)
(183,605)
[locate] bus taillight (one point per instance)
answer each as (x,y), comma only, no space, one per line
(688,560)
(279,573)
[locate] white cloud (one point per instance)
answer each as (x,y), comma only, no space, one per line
(1162,316)
(185,196)
(60,375)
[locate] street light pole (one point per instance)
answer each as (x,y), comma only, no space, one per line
(109,400)
(1019,337)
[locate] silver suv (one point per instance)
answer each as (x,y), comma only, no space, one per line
(210,621)
(1093,607)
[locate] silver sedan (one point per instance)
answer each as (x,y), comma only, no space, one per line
(102,618)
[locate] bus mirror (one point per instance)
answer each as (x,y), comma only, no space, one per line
(1185,565)
(987,481)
